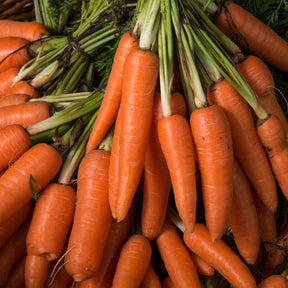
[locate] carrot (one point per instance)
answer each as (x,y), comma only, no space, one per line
(202,267)
(14,99)
(111,101)
(16,276)
(150,279)
(24,114)
(92,219)
(133,262)
(60,279)
(13,52)
(36,271)
(118,235)
(41,161)
(23,87)
(14,141)
(167,283)
(244,217)
(273,137)
(51,221)
(253,35)
(176,258)
(6,78)
(246,143)
(260,79)
(139,83)
(178,148)
(157,181)
(220,256)
(274,281)
(213,145)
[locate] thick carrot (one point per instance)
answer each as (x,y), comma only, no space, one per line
(139,83)
(24,114)
(202,267)
(260,79)
(13,52)
(167,283)
(246,143)
(13,99)
(14,141)
(133,262)
(118,235)
(6,78)
(157,181)
(220,256)
(51,221)
(16,276)
(112,97)
(41,161)
(60,279)
(214,150)
(244,217)
(92,219)
(23,87)
(150,279)
(274,281)
(36,271)
(176,257)
(178,148)
(253,35)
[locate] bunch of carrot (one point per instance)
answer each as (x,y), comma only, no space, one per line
(137,183)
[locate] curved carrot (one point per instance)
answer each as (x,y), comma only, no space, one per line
(150,279)
(60,279)
(139,83)
(274,281)
(16,276)
(214,150)
(178,148)
(92,219)
(13,99)
(42,162)
(51,221)
(246,143)
(6,78)
(133,262)
(111,101)
(157,181)
(24,114)
(23,87)
(13,52)
(176,257)
(253,35)
(14,141)
(201,265)
(220,256)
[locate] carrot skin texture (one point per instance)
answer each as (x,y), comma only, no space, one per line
(220,256)
(92,219)
(274,281)
(112,98)
(261,40)
(167,283)
(6,78)
(24,114)
(23,87)
(16,278)
(51,221)
(136,252)
(176,257)
(214,150)
(150,279)
(245,140)
(139,83)
(14,141)
(14,99)
(41,161)
(178,148)
(202,267)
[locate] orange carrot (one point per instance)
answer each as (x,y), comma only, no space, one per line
(92,219)
(13,52)
(274,281)
(51,221)
(41,161)
(253,35)
(244,217)
(213,145)
(16,276)
(23,87)
(202,267)
(176,257)
(246,143)
(177,146)
(133,262)
(150,279)
(60,279)
(260,79)
(167,283)
(157,181)
(14,141)
(220,256)
(24,114)
(13,99)
(111,101)
(6,78)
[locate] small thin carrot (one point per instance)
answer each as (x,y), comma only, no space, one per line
(13,99)
(92,219)
(133,262)
(6,78)
(150,279)
(111,101)
(201,265)
(220,256)
(23,87)
(274,281)
(42,162)
(16,276)
(51,221)
(24,114)
(176,257)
